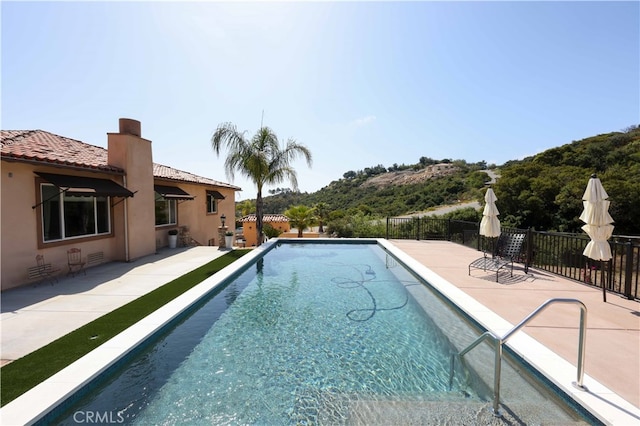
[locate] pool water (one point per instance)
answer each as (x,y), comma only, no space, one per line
(306,335)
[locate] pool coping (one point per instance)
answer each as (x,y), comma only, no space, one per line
(36,403)
(42,399)
(601,402)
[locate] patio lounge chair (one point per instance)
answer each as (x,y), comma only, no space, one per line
(507,249)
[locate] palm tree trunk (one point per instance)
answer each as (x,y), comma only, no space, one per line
(259,208)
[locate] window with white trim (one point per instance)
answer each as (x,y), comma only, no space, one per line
(165,211)
(65,216)
(212,203)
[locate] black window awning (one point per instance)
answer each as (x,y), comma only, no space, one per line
(85,186)
(216,195)
(172,193)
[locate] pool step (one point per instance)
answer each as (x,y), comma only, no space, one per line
(334,408)
(450,413)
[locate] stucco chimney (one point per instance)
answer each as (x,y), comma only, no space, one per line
(129,126)
(130,152)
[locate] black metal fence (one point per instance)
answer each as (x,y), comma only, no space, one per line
(555,252)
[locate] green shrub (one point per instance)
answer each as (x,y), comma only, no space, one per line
(358,225)
(270,231)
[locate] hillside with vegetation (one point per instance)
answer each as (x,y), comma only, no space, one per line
(542,192)
(545,191)
(392,191)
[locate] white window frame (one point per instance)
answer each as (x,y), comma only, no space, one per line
(212,203)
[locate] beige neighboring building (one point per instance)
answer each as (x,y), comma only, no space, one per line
(114,204)
(278,221)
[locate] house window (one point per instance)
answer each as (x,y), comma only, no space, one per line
(165,211)
(65,216)
(212,203)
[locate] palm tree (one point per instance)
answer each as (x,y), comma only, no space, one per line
(301,217)
(259,159)
(322,212)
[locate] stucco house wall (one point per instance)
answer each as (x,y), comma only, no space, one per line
(21,238)
(202,226)
(127,162)
(277,221)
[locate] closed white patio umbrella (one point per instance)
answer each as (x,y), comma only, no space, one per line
(598,223)
(490,225)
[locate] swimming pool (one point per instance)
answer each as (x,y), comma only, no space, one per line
(313,333)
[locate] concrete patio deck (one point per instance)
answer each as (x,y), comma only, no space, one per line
(34,316)
(613,328)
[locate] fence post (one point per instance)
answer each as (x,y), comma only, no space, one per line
(529,250)
(628,270)
(449,229)
(387,231)
(479,236)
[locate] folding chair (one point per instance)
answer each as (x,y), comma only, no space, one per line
(74,258)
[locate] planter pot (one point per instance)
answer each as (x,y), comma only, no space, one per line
(228,241)
(173,241)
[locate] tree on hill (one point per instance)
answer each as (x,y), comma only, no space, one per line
(245,208)
(322,213)
(260,159)
(545,191)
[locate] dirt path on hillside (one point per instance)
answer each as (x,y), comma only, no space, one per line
(447,209)
(444,209)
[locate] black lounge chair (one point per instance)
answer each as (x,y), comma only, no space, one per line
(507,250)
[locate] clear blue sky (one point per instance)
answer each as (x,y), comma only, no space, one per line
(359,83)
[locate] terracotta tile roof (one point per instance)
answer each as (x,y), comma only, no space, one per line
(166,172)
(43,147)
(266,218)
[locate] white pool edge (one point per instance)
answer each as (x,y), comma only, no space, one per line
(601,402)
(36,403)
(39,401)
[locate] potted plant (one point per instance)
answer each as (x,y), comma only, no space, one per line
(228,239)
(173,238)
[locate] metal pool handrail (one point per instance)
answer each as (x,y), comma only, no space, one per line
(500,341)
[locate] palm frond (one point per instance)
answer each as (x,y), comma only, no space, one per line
(228,136)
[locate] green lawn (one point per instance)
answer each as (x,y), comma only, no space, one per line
(23,374)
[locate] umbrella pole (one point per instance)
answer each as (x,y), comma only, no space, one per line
(604,290)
